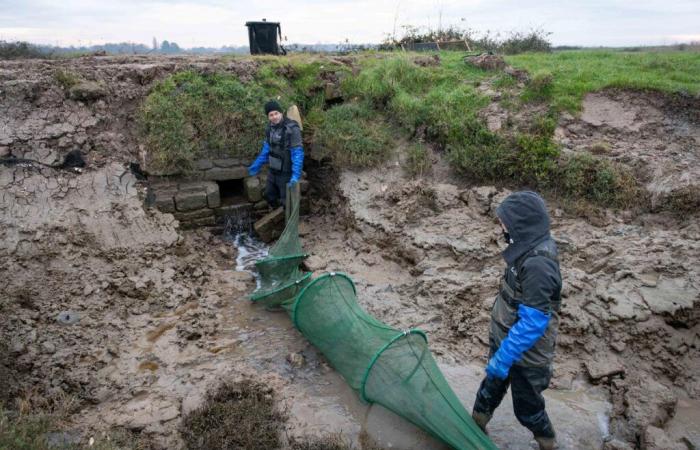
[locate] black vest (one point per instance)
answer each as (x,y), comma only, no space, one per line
(505,313)
(277,136)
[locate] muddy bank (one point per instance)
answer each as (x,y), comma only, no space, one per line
(113,304)
(427,254)
(48,107)
(658,135)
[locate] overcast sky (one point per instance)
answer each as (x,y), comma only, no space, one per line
(216,22)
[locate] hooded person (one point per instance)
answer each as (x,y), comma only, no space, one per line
(283,152)
(524,318)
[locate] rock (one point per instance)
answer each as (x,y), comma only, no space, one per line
(270,226)
(656,439)
(604,366)
(87,91)
(213,196)
(227,162)
(48,347)
(198,223)
(190,216)
(190,200)
(332,92)
(165,202)
(204,164)
(486,61)
(253,189)
(296,360)
(229,173)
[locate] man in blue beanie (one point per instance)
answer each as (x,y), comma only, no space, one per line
(282,151)
(524,319)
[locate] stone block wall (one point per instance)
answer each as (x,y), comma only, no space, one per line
(196,200)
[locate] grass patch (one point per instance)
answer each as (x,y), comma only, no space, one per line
(237,415)
(66,78)
(191,115)
(353,135)
(539,88)
(575,73)
(418,161)
(330,442)
(597,180)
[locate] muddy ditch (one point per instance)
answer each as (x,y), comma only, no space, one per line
(111,303)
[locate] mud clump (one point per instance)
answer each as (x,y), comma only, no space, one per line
(237,415)
(487,61)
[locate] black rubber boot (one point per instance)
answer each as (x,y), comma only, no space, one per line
(481,419)
(546,443)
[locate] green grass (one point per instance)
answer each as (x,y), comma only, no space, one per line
(236,415)
(388,98)
(192,115)
(575,73)
(418,161)
(353,135)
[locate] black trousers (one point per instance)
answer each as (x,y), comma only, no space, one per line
(276,188)
(527,384)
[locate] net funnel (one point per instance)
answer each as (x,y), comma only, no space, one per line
(384,365)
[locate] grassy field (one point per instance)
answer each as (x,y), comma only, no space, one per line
(575,73)
(391,97)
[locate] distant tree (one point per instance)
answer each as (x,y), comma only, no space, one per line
(155,44)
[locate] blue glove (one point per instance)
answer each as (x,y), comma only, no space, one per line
(531,325)
(261,160)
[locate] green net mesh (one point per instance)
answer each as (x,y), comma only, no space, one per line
(280,277)
(384,365)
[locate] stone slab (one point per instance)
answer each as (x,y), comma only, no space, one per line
(190,200)
(230,173)
(271,225)
(253,189)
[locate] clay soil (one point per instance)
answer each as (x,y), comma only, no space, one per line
(158,317)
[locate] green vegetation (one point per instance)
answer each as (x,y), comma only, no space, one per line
(575,73)
(586,177)
(237,415)
(20,50)
(388,98)
(66,78)
(190,115)
(418,160)
(353,135)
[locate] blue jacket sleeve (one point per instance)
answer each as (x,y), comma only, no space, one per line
(260,160)
(531,325)
(297,164)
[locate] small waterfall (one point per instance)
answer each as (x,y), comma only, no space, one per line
(238,228)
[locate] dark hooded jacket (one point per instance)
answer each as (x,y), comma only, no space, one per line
(531,277)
